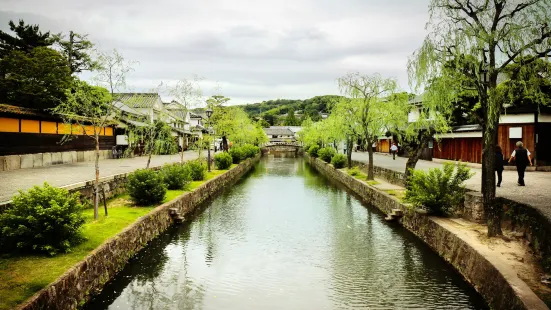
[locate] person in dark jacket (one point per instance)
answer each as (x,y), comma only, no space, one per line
(499,165)
(522,159)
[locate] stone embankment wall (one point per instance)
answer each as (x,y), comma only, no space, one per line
(522,218)
(88,277)
(498,284)
(24,161)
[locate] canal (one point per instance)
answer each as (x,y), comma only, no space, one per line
(285,237)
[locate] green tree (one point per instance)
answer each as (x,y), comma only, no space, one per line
(263,123)
(495,34)
(291,119)
(374,106)
(26,38)
(156,137)
(37,79)
(88,107)
(342,112)
(77,49)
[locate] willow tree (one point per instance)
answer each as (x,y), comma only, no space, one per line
(88,110)
(373,98)
(344,111)
(496,33)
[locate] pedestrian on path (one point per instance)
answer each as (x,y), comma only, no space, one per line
(499,165)
(374,146)
(522,159)
(394,150)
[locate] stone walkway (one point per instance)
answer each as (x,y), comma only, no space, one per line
(536,193)
(61,175)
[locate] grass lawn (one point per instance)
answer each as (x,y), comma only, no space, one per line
(22,276)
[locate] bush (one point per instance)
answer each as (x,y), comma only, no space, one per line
(338,161)
(313,150)
(43,219)
(354,171)
(223,160)
(197,169)
(237,154)
(439,190)
(146,187)
(175,176)
(326,154)
(249,150)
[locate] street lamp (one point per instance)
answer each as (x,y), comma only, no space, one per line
(209,114)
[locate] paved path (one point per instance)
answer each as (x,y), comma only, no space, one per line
(60,175)
(537,191)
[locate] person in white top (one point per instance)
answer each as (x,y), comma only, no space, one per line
(522,158)
(393,150)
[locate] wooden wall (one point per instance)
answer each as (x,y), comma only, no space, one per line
(12,143)
(470,149)
(464,149)
(383,146)
(508,145)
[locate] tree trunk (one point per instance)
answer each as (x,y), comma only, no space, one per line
(370,174)
(148,160)
(414,154)
(492,208)
(96,182)
(349,146)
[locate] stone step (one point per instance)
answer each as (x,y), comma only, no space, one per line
(173,211)
(397,212)
(390,218)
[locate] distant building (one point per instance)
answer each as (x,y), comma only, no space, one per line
(282,133)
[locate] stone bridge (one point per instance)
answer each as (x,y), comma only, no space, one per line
(283,148)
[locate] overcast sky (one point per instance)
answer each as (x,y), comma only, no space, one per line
(255,50)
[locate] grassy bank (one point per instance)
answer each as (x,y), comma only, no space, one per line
(22,276)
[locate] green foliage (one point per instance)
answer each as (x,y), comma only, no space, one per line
(237,154)
(146,187)
(291,120)
(236,125)
(338,161)
(27,37)
(313,150)
(223,160)
(35,79)
(354,171)
(43,219)
(438,190)
(175,176)
(197,169)
(326,154)
(77,51)
(249,150)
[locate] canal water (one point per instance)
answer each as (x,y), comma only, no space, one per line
(285,237)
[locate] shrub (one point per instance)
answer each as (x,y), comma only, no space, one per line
(146,187)
(326,154)
(197,169)
(439,190)
(43,219)
(313,150)
(223,160)
(237,154)
(249,150)
(338,161)
(175,176)
(354,171)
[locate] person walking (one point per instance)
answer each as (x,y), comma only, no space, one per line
(499,165)
(394,150)
(522,158)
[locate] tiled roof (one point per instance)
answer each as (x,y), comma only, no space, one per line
(11,109)
(278,131)
(137,100)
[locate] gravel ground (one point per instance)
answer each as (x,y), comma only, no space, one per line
(61,175)
(536,193)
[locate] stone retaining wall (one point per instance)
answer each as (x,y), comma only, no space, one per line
(88,277)
(498,284)
(391,176)
(24,161)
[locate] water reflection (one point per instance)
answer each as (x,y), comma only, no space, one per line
(286,238)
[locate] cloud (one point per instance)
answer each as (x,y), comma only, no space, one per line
(255,50)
